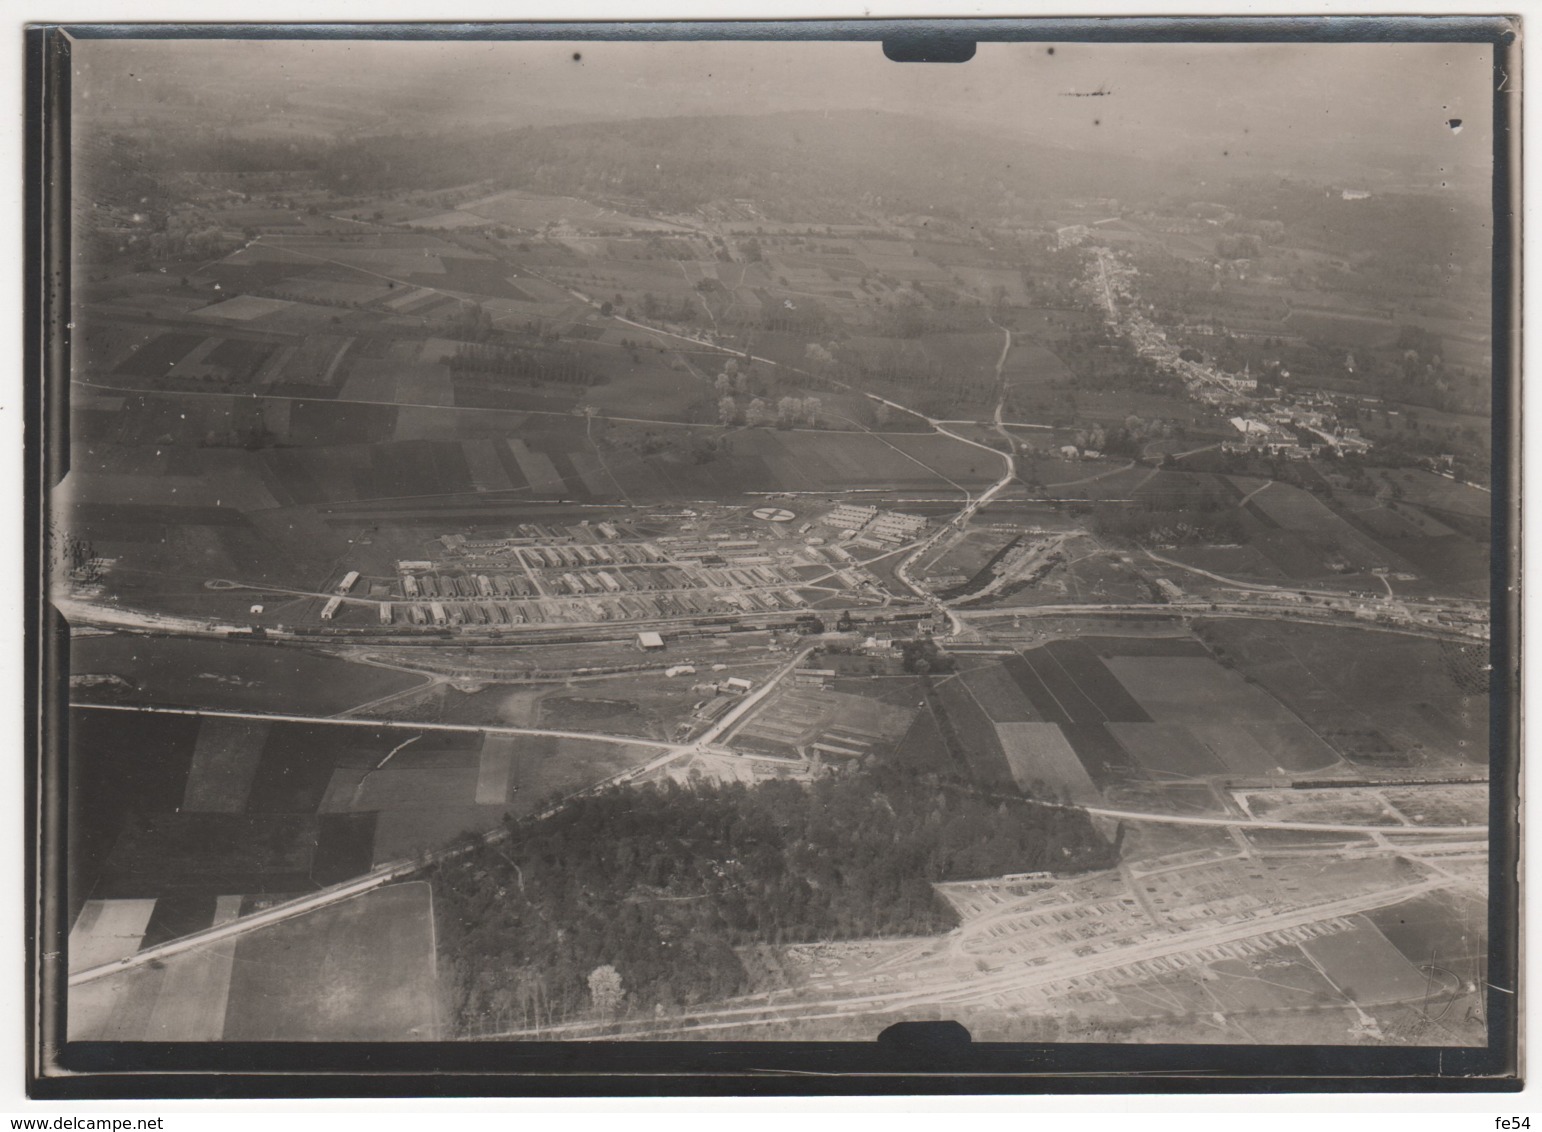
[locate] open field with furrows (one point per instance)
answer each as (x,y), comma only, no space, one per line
(1379,699)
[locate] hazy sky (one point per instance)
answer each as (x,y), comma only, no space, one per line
(1271,104)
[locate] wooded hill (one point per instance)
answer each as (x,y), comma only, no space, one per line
(663,882)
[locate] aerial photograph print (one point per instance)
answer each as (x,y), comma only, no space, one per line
(582,540)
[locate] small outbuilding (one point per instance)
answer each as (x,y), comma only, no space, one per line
(649,642)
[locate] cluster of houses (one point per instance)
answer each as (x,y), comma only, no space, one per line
(1273,429)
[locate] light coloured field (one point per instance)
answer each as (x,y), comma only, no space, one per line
(368,381)
(999,695)
(1193,690)
(107,930)
(333,291)
(426,422)
(1237,747)
(182,1002)
(363,970)
(539,470)
(1365,966)
(225,760)
(400,834)
(522,210)
(1360,807)
(244,308)
(1167,750)
(494,765)
(1293,745)
(451,220)
(406,297)
(406,788)
(487,471)
(1039,752)
(422,384)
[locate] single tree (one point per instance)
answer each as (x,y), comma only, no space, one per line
(605,989)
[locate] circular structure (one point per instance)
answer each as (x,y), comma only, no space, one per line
(773,514)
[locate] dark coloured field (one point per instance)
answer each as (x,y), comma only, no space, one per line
(209,854)
(921,750)
(1167,750)
(177,915)
(1452,561)
(150,515)
(241,357)
(238,676)
(291,826)
(1145,646)
(1106,761)
(332,422)
(157,356)
(1369,694)
(119,764)
(345,846)
(1067,683)
(969,735)
(1441,929)
(999,694)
